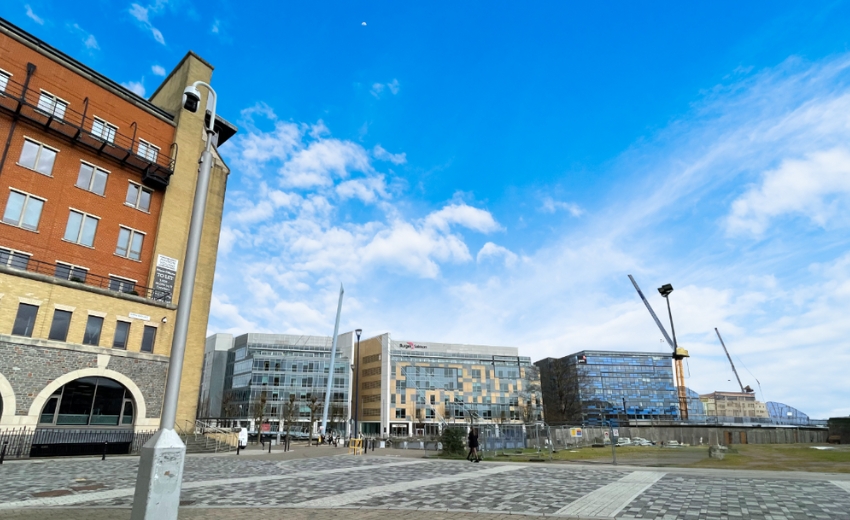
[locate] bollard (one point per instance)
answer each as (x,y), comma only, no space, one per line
(105,444)
(238,446)
(3,451)
(270,444)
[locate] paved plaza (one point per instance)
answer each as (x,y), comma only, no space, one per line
(385,487)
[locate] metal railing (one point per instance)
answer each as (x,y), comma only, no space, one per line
(19,443)
(17,263)
(212,437)
(77,127)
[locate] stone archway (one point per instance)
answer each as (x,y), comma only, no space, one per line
(9,405)
(42,397)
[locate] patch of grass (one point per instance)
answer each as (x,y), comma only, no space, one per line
(782,457)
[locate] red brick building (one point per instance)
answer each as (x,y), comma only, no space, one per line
(96,188)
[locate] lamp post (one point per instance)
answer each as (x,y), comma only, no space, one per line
(356,383)
(159,480)
(665,291)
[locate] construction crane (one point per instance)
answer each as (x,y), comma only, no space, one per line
(678,353)
(744,389)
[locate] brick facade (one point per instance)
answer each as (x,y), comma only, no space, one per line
(29,366)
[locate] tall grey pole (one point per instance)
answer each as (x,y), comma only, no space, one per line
(160,476)
(333,360)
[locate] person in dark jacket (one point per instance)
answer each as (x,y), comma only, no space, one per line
(473,446)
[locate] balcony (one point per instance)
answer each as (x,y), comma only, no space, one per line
(70,276)
(77,128)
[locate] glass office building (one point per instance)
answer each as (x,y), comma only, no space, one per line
(273,376)
(594,387)
(411,388)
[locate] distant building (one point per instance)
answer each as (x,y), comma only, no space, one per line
(781,413)
(415,387)
(594,387)
(733,404)
(278,377)
(212,375)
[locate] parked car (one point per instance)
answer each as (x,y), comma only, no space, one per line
(639,441)
(673,444)
(624,441)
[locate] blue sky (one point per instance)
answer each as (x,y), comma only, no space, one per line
(490,172)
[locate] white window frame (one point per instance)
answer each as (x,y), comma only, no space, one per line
(41,146)
(71,268)
(130,242)
(121,280)
(95,169)
(139,197)
(106,126)
(12,252)
(55,101)
(82,225)
(28,196)
(5,76)
(148,148)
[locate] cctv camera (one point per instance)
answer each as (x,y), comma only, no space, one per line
(191,98)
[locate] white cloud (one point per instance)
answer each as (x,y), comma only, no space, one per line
(142,14)
(551,205)
(87,38)
(158,70)
(216,27)
(463,215)
(322,161)
(135,86)
(378,88)
(816,187)
(32,16)
(491,250)
(379,153)
(368,190)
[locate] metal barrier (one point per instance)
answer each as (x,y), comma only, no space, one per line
(65,442)
(355,447)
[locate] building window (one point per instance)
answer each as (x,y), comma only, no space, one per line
(93,327)
(81,228)
(95,401)
(23,210)
(138,196)
(14,259)
(148,338)
(25,320)
(38,156)
(147,150)
(59,327)
(122,333)
(91,178)
(74,273)
(400,413)
(458,413)
(124,285)
(476,374)
(52,105)
(4,80)
(403,399)
(130,243)
(103,130)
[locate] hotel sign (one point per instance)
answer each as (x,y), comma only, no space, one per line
(410,345)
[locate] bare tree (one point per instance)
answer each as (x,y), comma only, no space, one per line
(258,412)
(289,412)
(561,387)
(315,406)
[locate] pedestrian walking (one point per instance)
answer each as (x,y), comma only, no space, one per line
(472,456)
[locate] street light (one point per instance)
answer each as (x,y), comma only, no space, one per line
(160,476)
(357,382)
(665,291)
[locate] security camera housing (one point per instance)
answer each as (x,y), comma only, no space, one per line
(191,99)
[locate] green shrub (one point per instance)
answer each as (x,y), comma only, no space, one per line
(453,440)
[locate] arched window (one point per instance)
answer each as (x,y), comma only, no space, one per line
(89,401)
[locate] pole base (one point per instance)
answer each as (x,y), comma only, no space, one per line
(160,477)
